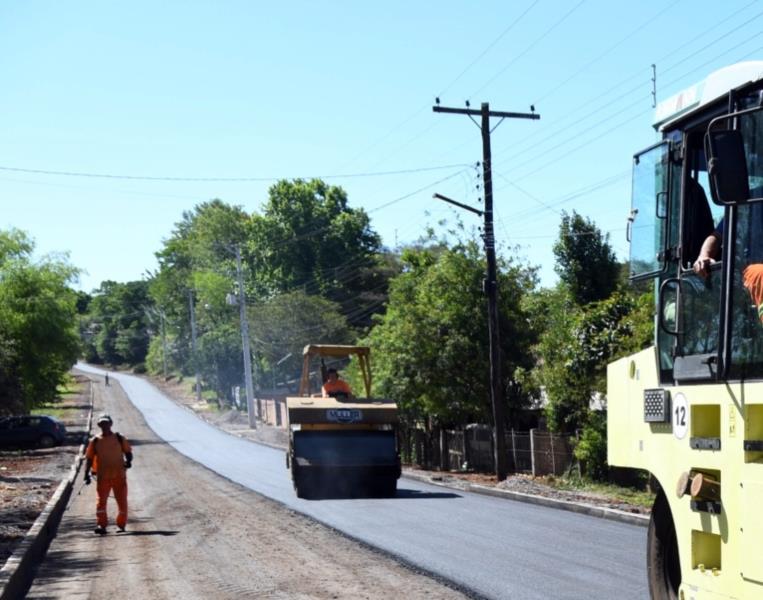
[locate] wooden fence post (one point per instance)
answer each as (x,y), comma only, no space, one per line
(444,457)
(553,458)
(514,450)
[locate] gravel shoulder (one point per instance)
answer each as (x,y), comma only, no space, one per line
(194,534)
(30,476)
(235,422)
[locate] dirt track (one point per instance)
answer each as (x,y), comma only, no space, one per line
(193,534)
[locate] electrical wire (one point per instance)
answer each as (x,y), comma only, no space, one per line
(445,89)
(490,46)
(532,45)
(225,179)
(596,110)
(630,119)
(607,52)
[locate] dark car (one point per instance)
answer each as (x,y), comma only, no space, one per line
(36,430)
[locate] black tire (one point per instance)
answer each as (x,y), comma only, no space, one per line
(384,488)
(46,441)
(662,563)
(304,487)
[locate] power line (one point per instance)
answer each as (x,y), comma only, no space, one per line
(623,123)
(607,52)
(532,45)
(224,179)
(489,47)
(445,89)
(596,111)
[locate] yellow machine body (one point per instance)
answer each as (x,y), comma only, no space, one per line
(342,446)
(720,554)
(689,409)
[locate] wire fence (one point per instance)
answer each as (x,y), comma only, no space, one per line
(471,449)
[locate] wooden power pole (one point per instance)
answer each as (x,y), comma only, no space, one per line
(491,279)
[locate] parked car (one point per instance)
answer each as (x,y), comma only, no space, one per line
(37,430)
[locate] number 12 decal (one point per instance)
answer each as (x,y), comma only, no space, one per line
(680,416)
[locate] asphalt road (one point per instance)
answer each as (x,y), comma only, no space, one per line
(493,547)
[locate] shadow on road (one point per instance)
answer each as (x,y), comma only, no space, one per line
(405,494)
(165,533)
(150,442)
(68,563)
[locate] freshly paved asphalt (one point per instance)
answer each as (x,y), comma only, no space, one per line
(492,547)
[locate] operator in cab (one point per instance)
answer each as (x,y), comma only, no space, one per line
(335,387)
(751,259)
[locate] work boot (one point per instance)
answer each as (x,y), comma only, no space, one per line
(100,530)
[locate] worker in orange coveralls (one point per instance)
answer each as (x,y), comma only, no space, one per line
(108,456)
(334,385)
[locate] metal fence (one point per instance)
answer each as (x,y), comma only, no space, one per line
(471,449)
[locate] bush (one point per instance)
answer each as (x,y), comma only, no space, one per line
(591,449)
(140,368)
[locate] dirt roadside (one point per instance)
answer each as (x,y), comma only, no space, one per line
(193,534)
(236,422)
(28,477)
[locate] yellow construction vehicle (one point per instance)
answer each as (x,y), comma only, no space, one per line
(341,445)
(690,409)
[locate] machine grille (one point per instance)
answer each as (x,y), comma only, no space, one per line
(657,406)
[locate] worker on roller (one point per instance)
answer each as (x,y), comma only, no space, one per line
(108,456)
(334,386)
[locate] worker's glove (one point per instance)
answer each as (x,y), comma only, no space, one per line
(128,464)
(88,480)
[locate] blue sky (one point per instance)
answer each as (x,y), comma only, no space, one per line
(298,89)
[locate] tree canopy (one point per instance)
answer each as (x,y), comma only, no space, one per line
(431,345)
(585,261)
(39,340)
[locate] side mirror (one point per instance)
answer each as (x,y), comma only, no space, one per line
(727,166)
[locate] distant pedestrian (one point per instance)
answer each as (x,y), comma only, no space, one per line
(107,379)
(108,457)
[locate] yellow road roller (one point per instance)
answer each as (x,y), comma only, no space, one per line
(341,445)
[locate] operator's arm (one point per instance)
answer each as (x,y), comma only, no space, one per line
(708,254)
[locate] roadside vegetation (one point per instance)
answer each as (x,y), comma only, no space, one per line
(39,340)
(315,271)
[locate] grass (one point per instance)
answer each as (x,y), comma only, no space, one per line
(617,493)
(51,411)
(69,386)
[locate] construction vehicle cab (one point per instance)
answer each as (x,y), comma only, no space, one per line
(690,409)
(343,445)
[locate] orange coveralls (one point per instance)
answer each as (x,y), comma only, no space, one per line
(337,386)
(107,452)
(753,281)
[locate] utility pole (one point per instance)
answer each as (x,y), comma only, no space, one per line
(245,343)
(491,280)
(193,344)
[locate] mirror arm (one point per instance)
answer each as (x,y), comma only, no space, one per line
(629,226)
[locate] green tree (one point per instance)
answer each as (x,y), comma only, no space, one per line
(38,325)
(309,238)
(286,324)
(116,330)
(11,392)
(585,261)
(198,262)
(431,346)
